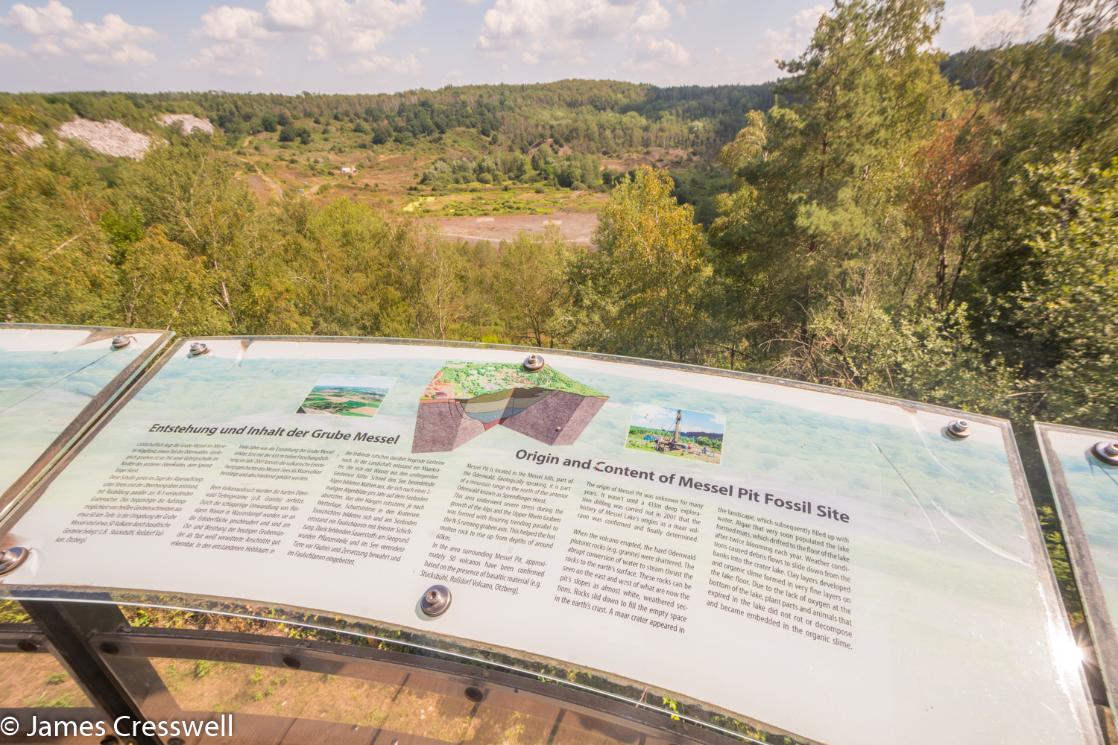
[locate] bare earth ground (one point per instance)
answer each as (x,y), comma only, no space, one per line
(386,180)
(576,227)
(657,157)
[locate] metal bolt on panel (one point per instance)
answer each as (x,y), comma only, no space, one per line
(957,429)
(12,558)
(435,600)
(1106,451)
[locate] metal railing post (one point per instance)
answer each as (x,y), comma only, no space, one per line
(69,627)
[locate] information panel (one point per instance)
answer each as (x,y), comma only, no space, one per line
(1082,468)
(53,379)
(854,570)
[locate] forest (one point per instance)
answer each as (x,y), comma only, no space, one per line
(597,116)
(882,218)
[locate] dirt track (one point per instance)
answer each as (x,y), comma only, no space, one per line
(576,227)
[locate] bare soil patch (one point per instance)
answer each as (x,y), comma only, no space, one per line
(575,227)
(657,157)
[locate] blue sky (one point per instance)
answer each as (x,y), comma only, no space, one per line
(346,46)
(658,417)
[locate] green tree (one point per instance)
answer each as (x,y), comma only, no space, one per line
(921,353)
(1057,319)
(443,295)
(643,291)
(187,189)
(162,286)
(55,264)
(820,212)
(530,285)
(348,264)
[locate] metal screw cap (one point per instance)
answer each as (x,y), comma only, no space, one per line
(958,429)
(533,362)
(1107,452)
(435,600)
(120,342)
(197,349)
(12,558)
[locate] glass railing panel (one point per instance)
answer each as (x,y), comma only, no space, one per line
(40,701)
(1082,466)
(644,531)
(254,688)
(54,380)
(37,681)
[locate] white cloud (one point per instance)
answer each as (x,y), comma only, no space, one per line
(681,6)
(560,30)
(648,415)
(57,33)
(654,17)
(297,15)
(383,63)
(236,33)
(785,42)
(343,26)
(231,58)
(650,54)
(567,51)
(7,51)
(331,29)
(52,18)
(123,55)
(791,40)
(513,24)
(964,27)
(231,24)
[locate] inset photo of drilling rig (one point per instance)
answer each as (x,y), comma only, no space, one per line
(687,434)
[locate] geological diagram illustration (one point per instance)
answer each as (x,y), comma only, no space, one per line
(465,399)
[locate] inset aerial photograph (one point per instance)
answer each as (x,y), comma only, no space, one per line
(686,434)
(346,395)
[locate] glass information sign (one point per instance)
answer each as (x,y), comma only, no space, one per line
(1082,467)
(844,567)
(53,380)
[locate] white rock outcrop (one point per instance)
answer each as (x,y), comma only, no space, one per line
(107,138)
(188,122)
(26,139)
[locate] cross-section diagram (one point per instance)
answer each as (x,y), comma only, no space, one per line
(465,399)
